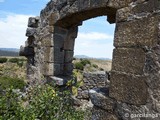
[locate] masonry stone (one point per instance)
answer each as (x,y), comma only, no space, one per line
(129,60)
(137,34)
(128,88)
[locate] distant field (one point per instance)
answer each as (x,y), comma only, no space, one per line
(105,64)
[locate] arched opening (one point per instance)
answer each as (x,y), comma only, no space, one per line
(66,31)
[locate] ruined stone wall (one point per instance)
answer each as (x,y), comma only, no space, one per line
(135,77)
(91,81)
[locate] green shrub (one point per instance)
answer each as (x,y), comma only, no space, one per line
(85,62)
(20,63)
(79,65)
(101,69)
(3,60)
(15,83)
(45,103)
(95,66)
(13,60)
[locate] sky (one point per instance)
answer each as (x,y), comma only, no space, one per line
(95,36)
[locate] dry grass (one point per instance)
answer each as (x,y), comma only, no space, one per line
(105,64)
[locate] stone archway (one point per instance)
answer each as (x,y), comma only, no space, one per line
(135,70)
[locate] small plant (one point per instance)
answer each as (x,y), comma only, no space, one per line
(95,66)
(20,63)
(3,60)
(101,69)
(44,103)
(15,83)
(79,66)
(13,60)
(85,62)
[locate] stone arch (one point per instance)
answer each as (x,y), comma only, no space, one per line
(135,70)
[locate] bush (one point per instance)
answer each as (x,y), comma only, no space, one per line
(45,103)
(79,66)
(95,66)
(13,60)
(3,60)
(15,83)
(20,63)
(85,62)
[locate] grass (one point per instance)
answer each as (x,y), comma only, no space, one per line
(100,64)
(8,82)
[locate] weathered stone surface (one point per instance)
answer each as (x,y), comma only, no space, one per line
(100,98)
(128,88)
(119,3)
(47,40)
(138,10)
(48,56)
(58,55)
(68,56)
(58,81)
(135,33)
(53,18)
(68,67)
(49,69)
(58,69)
(30,32)
(129,60)
(100,114)
(33,22)
(58,40)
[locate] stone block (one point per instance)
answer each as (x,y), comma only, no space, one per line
(49,69)
(69,44)
(129,60)
(123,14)
(83,4)
(57,80)
(98,3)
(58,40)
(100,98)
(127,88)
(118,3)
(142,32)
(33,22)
(58,69)
(47,40)
(68,68)
(53,17)
(68,57)
(48,54)
(58,55)
(149,6)
(100,114)
(60,31)
(30,32)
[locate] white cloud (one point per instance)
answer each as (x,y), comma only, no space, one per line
(94,44)
(12,30)
(1,0)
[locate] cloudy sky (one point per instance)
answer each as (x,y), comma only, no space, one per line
(95,36)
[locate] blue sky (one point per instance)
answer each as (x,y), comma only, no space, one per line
(95,36)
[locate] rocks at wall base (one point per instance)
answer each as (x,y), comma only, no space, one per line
(103,105)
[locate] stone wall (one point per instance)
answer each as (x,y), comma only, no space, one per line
(90,81)
(135,76)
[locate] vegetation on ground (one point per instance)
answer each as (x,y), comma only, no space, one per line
(42,102)
(92,65)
